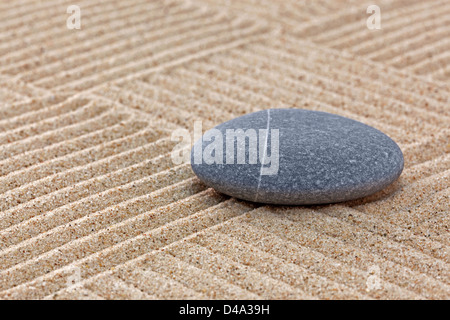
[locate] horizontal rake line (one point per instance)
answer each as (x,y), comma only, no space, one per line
(163,273)
(33,116)
(193,189)
(21,33)
(411,174)
(438,220)
(334,21)
(13,147)
(417,243)
(128,71)
(284,267)
(106,49)
(70,128)
(182,116)
(20,19)
(46,126)
(33,105)
(114,128)
(347,29)
(69,111)
(203,105)
(197,251)
(278,104)
(422,55)
(139,260)
(364,45)
(193,31)
(109,144)
(47,139)
(431,64)
(263,240)
(431,182)
(81,197)
(55,236)
(322,217)
(18,55)
(21,89)
(289,17)
(410,48)
(148,235)
(164,127)
(426,210)
(119,195)
(12,96)
(344,74)
(31,143)
(227,113)
(157,110)
(368,66)
(135,151)
(349,248)
(197,72)
(196,278)
(113,288)
(184,59)
(10,109)
(441,74)
(142,257)
(79,293)
(160,285)
(314,88)
(394,258)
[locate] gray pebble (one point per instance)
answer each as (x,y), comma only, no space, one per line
(296,157)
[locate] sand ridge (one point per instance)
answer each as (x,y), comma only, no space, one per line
(93,207)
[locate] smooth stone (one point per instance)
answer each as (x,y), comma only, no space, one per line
(323,158)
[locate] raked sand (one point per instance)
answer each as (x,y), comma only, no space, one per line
(93,207)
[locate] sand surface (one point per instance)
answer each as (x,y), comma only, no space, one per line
(93,207)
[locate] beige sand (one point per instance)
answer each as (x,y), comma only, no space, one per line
(89,194)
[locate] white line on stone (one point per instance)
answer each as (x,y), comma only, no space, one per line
(263,160)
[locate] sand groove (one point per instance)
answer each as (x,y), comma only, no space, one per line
(307,258)
(87,180)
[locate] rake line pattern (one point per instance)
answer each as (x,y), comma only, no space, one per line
(87,183)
